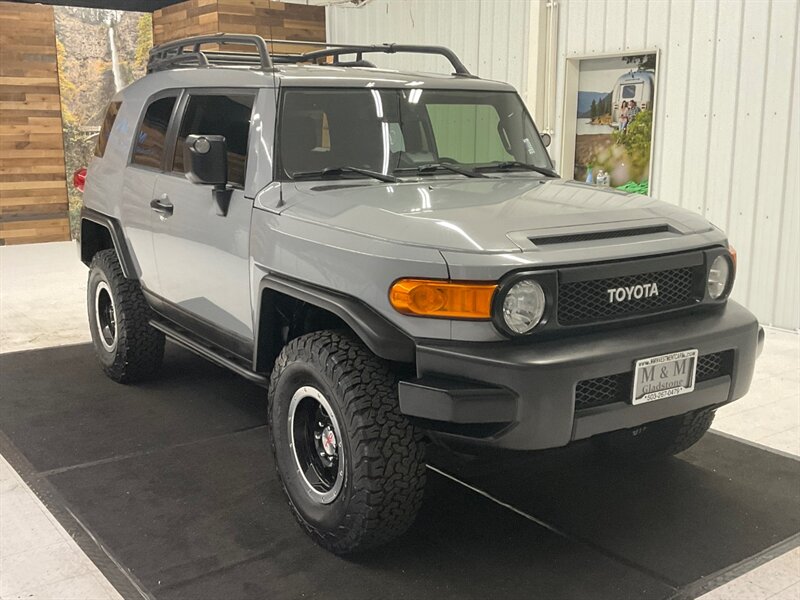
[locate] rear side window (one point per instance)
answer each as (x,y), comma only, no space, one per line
(218,114)
(148,149)
(105,129)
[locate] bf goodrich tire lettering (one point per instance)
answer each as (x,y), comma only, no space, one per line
(383,455)
(136,350)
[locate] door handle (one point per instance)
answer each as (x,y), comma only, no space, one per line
(162,206)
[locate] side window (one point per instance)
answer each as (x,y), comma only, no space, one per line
(148,149)
(217,114)
(105,129)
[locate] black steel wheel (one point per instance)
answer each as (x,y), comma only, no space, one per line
(315,434)
(105,313)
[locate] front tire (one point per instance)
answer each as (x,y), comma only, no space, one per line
(351,465)
(659,439)
(128,348)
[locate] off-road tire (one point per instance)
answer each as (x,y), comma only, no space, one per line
(384,474)
(139,348)
(658,439)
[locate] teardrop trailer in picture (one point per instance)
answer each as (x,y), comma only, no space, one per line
(393,256)
(638,86)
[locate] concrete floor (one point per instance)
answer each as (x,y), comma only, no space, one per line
(42,303)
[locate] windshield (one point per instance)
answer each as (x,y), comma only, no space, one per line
(396,132)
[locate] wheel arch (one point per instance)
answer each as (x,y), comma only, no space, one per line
(289,308)
(101,232)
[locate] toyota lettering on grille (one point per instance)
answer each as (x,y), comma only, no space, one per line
(632,292)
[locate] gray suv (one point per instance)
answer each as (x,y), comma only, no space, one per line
(392,255)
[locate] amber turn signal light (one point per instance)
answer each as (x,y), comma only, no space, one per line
(732,250)
(446,299)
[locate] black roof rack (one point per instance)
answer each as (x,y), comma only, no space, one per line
(187,52)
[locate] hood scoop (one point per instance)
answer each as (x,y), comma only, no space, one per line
(587,236)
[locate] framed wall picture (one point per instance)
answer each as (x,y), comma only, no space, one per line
(609,115)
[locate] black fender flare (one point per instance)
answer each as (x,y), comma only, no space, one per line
(117,239)
(382,337)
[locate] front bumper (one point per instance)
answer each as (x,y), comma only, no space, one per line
(522,397)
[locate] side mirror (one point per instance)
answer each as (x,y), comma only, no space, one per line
(206,160)
(546,139)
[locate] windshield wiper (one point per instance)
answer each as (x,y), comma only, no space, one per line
(339,171)
(446,166)
(515,164)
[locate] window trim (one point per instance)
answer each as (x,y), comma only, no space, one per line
(160,95)
(177,119)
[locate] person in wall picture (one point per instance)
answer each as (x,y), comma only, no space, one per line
(623,116)
(633,110)
(622,121)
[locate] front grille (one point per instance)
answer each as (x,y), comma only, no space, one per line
(617,388)
(602,390)
(714,365)
(581,302)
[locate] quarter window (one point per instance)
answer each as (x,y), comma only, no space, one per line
(148,149)
(226,115)
(105,129)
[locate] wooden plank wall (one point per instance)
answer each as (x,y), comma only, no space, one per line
(33,192)
(194,17)
(275,20)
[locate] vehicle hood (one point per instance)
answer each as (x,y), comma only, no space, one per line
(480,215)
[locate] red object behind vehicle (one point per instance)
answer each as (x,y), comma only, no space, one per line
(79,179)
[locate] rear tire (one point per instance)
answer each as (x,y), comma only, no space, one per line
(658,439)
(351,465)
(128,348)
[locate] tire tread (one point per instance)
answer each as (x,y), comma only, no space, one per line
(140,347)
(388,462)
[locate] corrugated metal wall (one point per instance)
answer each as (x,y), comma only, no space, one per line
(728,109)
(727,125)
(490,36)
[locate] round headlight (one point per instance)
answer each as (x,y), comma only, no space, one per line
(718,277)
(523,306)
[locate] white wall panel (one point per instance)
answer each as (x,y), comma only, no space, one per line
(727,125)
(490,36)
(777,137)
(635,24)
(727,122)
(698,106)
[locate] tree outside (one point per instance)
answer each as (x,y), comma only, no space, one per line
(99,53)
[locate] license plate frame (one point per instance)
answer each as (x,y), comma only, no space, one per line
(675,385)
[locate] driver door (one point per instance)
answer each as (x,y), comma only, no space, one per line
(201,256)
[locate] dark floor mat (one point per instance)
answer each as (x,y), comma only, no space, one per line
(175,479)
(715,505)
(60,410)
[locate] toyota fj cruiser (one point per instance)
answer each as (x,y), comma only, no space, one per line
(393,256)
